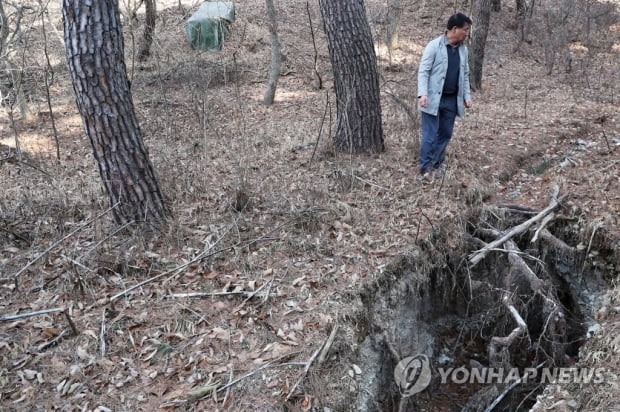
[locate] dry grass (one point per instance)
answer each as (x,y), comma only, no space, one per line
(246,190)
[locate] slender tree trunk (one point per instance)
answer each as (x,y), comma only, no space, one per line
(276,54)
(395,10)
(480,28)
(94,46)
(356,79)
(149,30)
(4,30)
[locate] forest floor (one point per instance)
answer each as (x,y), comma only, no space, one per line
(271,229)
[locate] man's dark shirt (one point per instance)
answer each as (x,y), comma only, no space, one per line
(451,85)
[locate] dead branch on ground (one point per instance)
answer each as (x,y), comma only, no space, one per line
(478,255)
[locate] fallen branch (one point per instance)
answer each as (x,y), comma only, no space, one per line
(210,295)
(271,364)
(478,255)
(305,371)
(542,225)
(328,344)
(73,232)
(175,271)
(102,334)
(8,318)
(252,294)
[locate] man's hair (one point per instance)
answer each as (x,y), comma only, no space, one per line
(458,20)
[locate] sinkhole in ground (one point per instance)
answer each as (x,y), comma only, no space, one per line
(434,305)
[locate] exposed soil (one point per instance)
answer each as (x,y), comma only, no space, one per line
(283,241)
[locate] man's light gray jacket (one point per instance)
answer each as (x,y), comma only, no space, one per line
(432,74)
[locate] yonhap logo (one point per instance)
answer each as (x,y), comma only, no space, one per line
(412,375)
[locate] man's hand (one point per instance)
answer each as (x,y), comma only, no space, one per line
(423,100)
(468,103)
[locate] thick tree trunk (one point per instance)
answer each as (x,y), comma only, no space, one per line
(276,54)
(94,46)
(356,79)
(478,41)
(149,29)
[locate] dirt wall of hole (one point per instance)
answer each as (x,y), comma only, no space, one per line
(433,303)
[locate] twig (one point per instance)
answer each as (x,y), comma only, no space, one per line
(271,364)
(544,222)
(172,272)
(318,138)
(102,334)
(316,54)
(508,389)
(230,378)
(8,318)
(71,324)
(251,295)
(46,251)
(52,342)
(305,371)
(328,344)
(76,263)
(368,182)
(49,69)
(606,141)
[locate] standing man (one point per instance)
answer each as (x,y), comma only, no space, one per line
(443,92)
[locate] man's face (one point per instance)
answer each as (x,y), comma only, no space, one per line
(461,33)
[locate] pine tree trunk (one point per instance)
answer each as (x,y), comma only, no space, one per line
(356,79)
(478,42)
(94,46)
(276,54)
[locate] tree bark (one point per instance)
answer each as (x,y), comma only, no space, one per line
(149,30)
(497,5)
(395,10)
(356,79)
(478,42)
(276,54)
(94,46)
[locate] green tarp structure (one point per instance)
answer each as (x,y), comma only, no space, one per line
(209,26)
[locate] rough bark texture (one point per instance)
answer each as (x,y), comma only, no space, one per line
(356,79)
(276,54)
(94,46)
(497,5)
(478,41)
(149,29)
